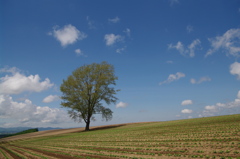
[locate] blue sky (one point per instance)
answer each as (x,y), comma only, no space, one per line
(175,59)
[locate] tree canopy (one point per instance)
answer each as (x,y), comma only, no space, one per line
(86,89)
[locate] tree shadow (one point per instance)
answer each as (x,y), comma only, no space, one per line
(106,127)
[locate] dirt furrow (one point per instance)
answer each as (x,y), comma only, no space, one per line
(6,155)
(75,154)
(53,154)
(115,153)
(1,154)
(10,153)
(25,154)
(127,152)
(35,151)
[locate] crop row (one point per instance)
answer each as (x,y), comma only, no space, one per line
(144,151)
(217,137)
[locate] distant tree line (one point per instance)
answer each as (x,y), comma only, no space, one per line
(19,133)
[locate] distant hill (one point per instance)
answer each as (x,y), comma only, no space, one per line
(48,128)
(14,130)
(19,133)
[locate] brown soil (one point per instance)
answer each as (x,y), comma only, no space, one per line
(25,154)
(10,153)
(62,156)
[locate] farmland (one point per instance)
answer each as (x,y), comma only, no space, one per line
(212,137)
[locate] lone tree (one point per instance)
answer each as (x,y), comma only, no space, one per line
(84,91)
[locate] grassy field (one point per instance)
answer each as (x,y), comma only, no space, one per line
(213,137)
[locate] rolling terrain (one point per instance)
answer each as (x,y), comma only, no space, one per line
(212,137)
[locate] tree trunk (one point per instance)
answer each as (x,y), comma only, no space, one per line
(87,125)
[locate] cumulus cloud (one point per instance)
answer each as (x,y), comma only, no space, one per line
(187,102)
(26,113)
(80,53)
(173,77)
(210,107)
(114,20)
(189,51)
(50,98)
(17,83)
(202,79)
(179,46)
(121,105)
(186,111)
(192,47)
(112,39)
(235,69)
(229,42)
(67,35)
(9,70)
(218,108)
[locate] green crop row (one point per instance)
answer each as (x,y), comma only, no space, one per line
(214,137)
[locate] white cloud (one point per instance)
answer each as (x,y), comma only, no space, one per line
(68,34)
(80,53)
(26,113)
(114,20)
(186,111)
(210,107)
(190,51)
(173,77)
(121,105)
(192,47)
(235,69)
(229,41)
(179,46)
(238,95)
(50,98)
(202,79)
(193,81)
(128,32)
(111,39)
(18,83)
(9,70)
(187,102)
(120,50)
(218,108)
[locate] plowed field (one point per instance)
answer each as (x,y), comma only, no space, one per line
(213,137)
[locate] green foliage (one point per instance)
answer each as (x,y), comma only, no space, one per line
(27,131)
(86,89)
(23,132)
